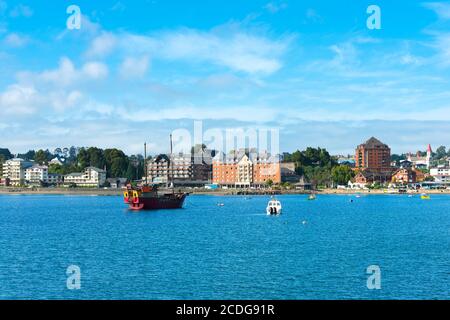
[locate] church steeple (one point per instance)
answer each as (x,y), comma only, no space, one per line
(429,152)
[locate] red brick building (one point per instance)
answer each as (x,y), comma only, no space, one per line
(373,155)
(243,170)
(373,162)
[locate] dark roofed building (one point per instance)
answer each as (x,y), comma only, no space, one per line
(373,155)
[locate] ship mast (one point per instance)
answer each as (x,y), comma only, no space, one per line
(145,162)
(171,162)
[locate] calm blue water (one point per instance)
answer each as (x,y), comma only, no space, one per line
(231,252)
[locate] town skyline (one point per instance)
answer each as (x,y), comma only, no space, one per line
(167,151)
(142,69)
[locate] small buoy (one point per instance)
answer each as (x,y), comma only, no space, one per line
(304,222)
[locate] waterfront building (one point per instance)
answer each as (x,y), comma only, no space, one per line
(373,162)
(244,169)
(193,169)
(373,155)
(419,161)
(441,174)
(117,183)
(14,170)
(55,179)
(404,176)
(288,173)
(36,175)
(91,177)
(366,177)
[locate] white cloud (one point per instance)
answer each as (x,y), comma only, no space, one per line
(95,70)
(442,45)
(62,100)
(274,7)
(102,45)
(21,11)
(442,9)
(66,74)
(18,100)
(134,67)
(226,46)
(15,40)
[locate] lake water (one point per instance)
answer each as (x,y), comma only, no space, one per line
(315,250)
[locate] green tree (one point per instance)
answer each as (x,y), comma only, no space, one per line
(56,168)
(116,163)
(5,153)
(82,158)
(2,161)
(441,152)
(96,157)
(342,174)
(27,156)
(40,157)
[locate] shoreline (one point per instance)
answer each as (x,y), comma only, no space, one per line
(118,192)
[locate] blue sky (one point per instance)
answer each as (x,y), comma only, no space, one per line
(137,70)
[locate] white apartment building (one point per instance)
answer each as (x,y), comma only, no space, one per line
(36,175)
(91,177)
(244,172)
(441,174)
(14,170)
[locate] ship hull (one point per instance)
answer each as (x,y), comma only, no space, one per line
(172,201)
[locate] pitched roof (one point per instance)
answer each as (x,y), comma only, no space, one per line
(373,143)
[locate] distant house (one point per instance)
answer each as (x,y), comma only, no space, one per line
(367,177)
(57,160)
(347,161)
(4,182)
(419,161)
(406,164)
(91,177)
(117,183)
(303,185)
(404,176)
(441,175)
(55,179)
(288,173)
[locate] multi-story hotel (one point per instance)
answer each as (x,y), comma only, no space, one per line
(373,155)
(187,169)
(91,177)
(36,175)
(242,169)
(373,162)
(14,171)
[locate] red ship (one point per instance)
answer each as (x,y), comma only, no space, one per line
(148,198)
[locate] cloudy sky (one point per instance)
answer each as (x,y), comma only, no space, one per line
(137,70)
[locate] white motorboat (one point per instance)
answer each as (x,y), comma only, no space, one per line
(274,208)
